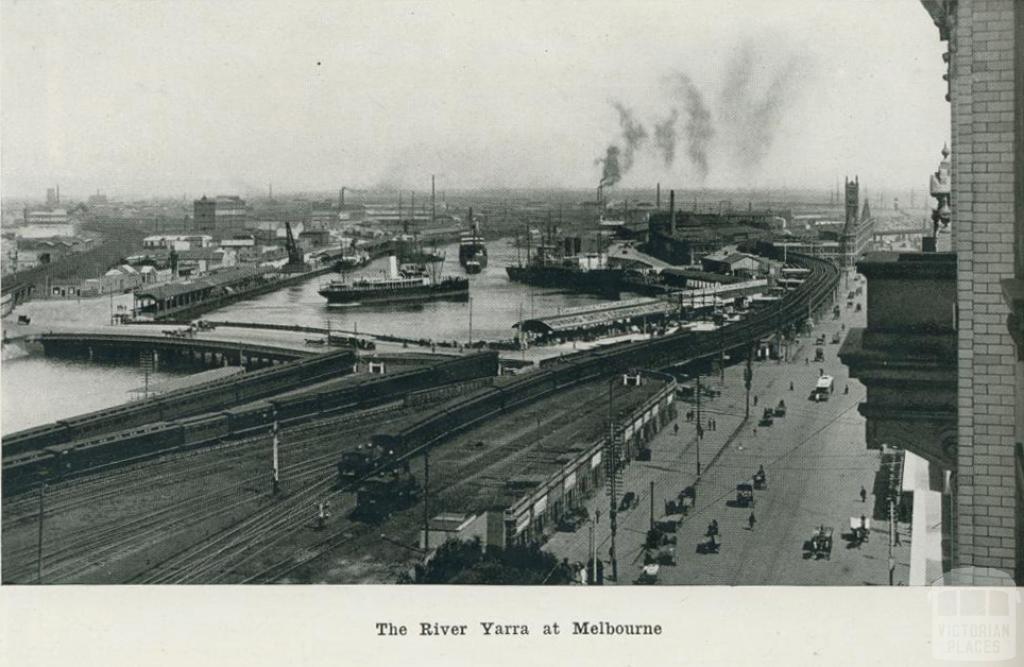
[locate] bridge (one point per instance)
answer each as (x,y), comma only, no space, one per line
(167,350)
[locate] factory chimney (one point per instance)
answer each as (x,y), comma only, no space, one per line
(671,211)
(341,198)
(657,197)
(433,201)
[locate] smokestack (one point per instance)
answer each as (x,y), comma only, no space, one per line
(671,211)
(58,193)
(657,197)
(600,195)
(433,201)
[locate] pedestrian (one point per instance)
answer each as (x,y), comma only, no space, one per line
(752,520)
(676,429)
(897,534)
(863,494)
(710,427)
(755,399)
(791,385)
(807,361)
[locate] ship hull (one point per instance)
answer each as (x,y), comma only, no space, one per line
(473,253)
(457,290)
(597,281)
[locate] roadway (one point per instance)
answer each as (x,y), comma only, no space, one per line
(816,463)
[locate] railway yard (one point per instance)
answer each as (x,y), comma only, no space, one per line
(209,516)
(524,458)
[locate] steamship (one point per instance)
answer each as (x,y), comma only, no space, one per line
(408,283)
(568,268)
(472,251)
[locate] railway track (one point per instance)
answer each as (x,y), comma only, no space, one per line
(95,542)
(222,556)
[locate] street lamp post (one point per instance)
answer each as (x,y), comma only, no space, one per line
(748,376)
(613,465)
(700,428)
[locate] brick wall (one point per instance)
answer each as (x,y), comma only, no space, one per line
(983,126)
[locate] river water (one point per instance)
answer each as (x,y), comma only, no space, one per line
(496,304)
(37,390)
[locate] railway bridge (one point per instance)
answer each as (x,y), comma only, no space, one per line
(166,350)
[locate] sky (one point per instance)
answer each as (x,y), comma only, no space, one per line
(171,98)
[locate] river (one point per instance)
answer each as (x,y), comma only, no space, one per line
(38,390)
(496,304)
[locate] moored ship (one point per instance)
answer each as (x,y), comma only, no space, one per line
(472,251)
(353,259)
(568,268)
(409,283)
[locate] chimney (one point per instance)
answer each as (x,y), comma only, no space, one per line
(657,197)
(433,201)
(671,211)
(58,193)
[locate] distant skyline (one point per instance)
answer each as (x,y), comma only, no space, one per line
(166,98)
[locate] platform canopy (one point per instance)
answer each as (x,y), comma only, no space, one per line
(594,317)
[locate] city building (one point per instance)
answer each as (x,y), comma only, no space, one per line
(219,217)
(177,241)
(941,355)
(857,227)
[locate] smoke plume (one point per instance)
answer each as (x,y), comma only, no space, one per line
(665,137)
(751,112)
(699,128)
(633,134)
(611,173)
(755,94)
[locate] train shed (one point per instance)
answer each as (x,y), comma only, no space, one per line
(577,322)
(163,300)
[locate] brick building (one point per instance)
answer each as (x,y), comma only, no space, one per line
(944,374)
(219,217)
(985,92)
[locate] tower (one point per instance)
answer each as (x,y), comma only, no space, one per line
(849,238)
(852,200)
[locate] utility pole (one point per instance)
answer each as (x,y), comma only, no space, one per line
(892,537)
(426,498)
(613,469)
(700,428)
(652,505)
(748,376)
(276,479)
(39,546)
(721,352)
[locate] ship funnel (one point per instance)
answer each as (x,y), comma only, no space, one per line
(392,267)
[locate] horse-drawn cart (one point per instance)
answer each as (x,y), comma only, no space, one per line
(820,544)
